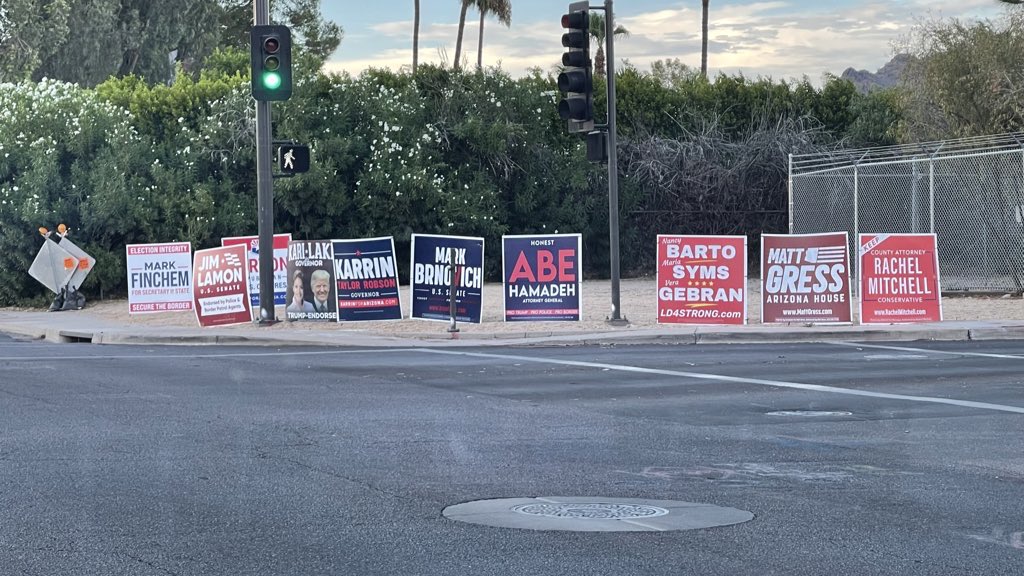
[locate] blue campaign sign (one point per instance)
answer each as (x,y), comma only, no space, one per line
(367,277)
(541,277)
(434,260)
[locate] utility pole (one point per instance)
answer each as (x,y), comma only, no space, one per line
(264,190)
(613,165)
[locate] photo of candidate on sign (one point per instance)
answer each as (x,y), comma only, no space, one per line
(311,293)
(541,277)
(367,280)
(436,261)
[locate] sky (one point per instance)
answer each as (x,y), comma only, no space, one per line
(784,39)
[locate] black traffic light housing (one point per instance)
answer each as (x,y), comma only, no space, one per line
(271,62)
(576,79)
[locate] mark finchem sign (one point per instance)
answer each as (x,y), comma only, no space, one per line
(702,279)
(434,260)
(899,279)
(220,287)
(805,278)
(159,277)
(542,278)
(367,279)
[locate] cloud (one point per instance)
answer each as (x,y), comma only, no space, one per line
(778,39)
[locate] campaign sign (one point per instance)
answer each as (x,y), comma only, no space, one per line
(219,286)
(252,246)
(806,278)
(702,279)
(541,277)
(367,280)
(899,279)
(435,259)
(159,277)
(311,288)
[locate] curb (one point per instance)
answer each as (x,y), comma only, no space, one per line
(677,336)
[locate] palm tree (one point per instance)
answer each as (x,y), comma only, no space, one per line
(597,32)
(462,27)
(500,8)
(704,39)
(415,35)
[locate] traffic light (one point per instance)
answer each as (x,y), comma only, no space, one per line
(271,62)
(576,80)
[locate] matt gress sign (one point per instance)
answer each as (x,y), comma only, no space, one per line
(805,278)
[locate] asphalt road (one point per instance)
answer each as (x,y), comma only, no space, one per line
(901,459)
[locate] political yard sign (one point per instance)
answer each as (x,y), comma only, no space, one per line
(252,247)
(159,277)
(367,280)
(312,294)
(702,279)
(899,279)
(436,260)
(541,277)
(806,278)
(220,287)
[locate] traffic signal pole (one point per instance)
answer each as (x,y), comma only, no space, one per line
(613,164)
(264,190)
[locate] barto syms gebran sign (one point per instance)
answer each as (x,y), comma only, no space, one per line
(702,279)
(367,280)
(541,277)
(435,259)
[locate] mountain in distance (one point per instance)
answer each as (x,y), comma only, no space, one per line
(886,77)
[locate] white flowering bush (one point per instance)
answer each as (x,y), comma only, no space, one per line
(55,139)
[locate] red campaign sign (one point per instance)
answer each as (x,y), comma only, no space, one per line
(702,279)
(899,279)
(806,278)
(219,286)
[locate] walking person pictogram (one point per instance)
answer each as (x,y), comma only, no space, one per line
(289,160)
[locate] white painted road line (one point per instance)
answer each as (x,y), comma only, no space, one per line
(908,349)
(736,379)
(191,356)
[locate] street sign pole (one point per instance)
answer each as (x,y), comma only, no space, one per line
(264,190)
(613,165)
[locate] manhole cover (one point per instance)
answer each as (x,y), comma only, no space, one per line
(809,413)
(595,514)
(588,510)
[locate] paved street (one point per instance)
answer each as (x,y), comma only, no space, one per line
(902,458)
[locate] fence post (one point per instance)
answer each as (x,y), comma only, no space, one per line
(931,194)
(790,192)
(915,175)
(854,257)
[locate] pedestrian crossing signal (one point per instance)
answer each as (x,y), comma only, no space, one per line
(293,159)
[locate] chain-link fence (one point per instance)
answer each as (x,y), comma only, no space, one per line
(969,192)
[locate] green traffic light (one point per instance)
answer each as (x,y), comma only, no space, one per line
(271,80)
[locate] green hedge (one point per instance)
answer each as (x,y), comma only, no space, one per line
(465,153)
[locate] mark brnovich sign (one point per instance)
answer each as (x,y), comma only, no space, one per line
(435,259)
